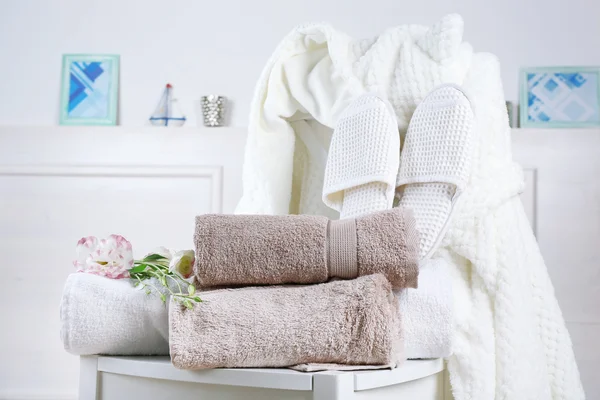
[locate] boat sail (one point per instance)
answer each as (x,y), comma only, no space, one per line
(167,113)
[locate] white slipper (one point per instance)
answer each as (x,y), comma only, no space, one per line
(363,160)
(436,162)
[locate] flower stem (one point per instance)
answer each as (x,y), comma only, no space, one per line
(149,284)
(160,271)
(175,280)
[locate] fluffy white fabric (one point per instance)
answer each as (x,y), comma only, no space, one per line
(109,316)
(427,312)
(510,340)
(363,160)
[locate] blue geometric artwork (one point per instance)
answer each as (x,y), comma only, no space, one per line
(89,90)
(560,97)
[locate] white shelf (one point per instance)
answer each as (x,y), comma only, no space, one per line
(109,130)
(192,130)
(556,130)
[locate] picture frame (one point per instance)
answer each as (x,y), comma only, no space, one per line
(89,89)
(559,97)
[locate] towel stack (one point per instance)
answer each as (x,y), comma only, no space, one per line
(278,291)
(285,315)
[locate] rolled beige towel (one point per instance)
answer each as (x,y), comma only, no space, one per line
(353,322)
(242,250)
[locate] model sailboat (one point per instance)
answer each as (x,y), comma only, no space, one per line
(167,112)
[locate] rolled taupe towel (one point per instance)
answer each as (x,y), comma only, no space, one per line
(353,322)
(234,250)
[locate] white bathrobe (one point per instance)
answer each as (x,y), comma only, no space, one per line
(510,339)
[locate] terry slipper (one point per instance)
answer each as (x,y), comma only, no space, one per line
(436,162)
(363,160)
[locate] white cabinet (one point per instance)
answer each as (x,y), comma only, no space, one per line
(60,183)
(566,191)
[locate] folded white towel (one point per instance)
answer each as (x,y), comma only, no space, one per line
(427,312)
(109,316)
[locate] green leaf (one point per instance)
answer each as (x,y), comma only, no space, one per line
(163,298)
(154,257)
(148,292)
(138,268)
(197,299)
(188,304)
(191,289)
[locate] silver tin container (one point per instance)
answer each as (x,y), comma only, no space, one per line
(213,110)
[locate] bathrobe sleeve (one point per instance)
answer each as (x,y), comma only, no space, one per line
(305,79)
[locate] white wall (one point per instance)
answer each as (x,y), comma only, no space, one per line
(221,46)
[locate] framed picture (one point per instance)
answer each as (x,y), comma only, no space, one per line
(89,89)
(560,97)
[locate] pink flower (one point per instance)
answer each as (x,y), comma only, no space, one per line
(111,257)
(84,247)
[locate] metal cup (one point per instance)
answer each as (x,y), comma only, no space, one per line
(213,110)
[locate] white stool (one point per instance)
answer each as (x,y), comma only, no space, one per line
(155,378)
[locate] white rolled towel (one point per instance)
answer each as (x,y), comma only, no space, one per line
(427,312)
(110,316)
